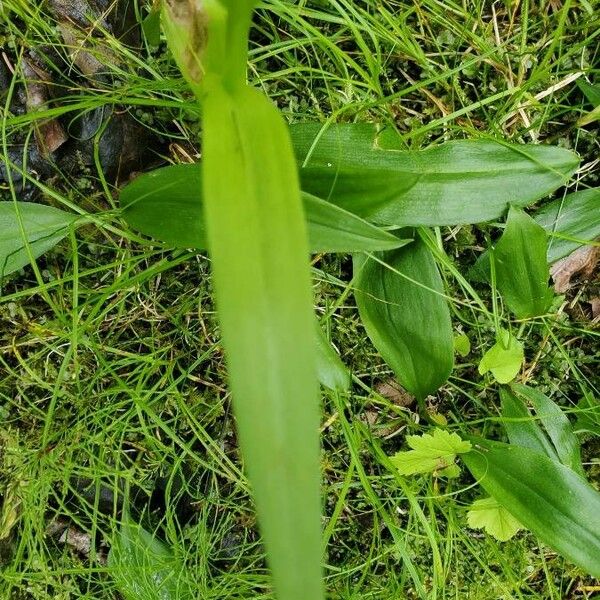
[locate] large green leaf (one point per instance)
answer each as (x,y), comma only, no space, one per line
(333,229)
(331,370)
(551,500)
(591,92)
(165,205)
(457,182)
(43,227)
(571,222)
(144,568)
(258,245)
(400,299)
(522,429)
(521,266)
(261,276)
(556,424)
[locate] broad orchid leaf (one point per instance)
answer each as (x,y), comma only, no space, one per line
(400,297)
(571,222)
(546,497)
(504,358)
(489,514)
(588,416)
(333,229)
(261,276)
(521,427)
(43,227)
(165,205)
(430,453)
(590,91)
(557,426)
(369,172)
(144,567)
(331,371)
(521,266)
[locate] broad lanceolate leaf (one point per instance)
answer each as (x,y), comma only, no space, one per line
(588,416)
(591,92)
(400,299)
(331,371)
(333,229)
(522,272)
(258,245)
(551,500)
(430,452)
(557,426)
(144,568)
(43,226)
(571,222)
(504,358)
(165,205)
(521,427)
(489,514)
(369,173)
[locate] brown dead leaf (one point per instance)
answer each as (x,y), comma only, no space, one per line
(394,392)
(49,133)
(582,262)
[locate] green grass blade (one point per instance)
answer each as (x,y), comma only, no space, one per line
(454,183)
(259,249)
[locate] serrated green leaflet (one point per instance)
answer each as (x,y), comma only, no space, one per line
(400,299)
(571,222)
(165,205)
(43,227)
(551,500)
(369,173)
(430,453)
(504,358)
(262,286)
(489,514)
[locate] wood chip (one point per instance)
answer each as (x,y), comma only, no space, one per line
(49,133)
(595,302)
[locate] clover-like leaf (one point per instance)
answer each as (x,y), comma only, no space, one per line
(504,358)
(431,453)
